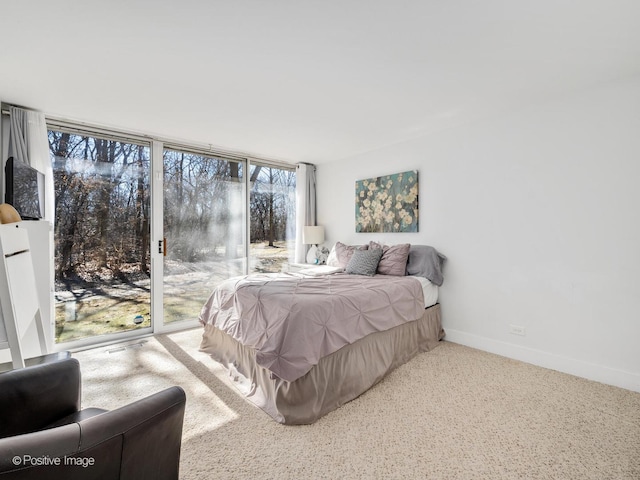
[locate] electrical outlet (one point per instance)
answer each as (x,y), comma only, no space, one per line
(517,330)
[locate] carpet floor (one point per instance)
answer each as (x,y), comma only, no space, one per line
(452,413)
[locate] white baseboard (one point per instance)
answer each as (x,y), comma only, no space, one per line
(590,371)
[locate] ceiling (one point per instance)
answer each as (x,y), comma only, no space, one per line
(306,80)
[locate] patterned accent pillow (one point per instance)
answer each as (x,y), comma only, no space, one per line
(394,258)
(364,262)
(344,252)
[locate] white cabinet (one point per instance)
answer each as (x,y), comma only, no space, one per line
(42,254)
(41,251)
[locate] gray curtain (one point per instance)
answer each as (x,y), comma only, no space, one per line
(29,143)
(305,205)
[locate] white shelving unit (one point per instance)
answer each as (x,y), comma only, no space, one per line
(26,289)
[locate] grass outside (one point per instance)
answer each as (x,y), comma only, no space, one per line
(84,311)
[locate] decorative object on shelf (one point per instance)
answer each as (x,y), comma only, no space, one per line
(322,254)
(388,203)
(8,214)
(312,235)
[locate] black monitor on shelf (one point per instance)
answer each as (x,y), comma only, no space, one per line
(24,186)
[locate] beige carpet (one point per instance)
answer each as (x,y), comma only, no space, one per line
(452,413)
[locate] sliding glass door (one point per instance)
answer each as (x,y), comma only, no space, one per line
(117,264)
(102,236)
(204,229)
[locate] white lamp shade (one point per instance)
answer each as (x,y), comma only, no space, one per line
(313,235)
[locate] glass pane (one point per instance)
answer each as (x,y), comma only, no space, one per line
(102,261)
(204,228)
(273,229)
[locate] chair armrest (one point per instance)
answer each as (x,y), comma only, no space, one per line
(151,431)
(53,443)
(140,441)
(33,397)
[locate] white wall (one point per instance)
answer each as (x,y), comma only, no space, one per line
(538,213)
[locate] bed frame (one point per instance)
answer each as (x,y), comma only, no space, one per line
(336,379)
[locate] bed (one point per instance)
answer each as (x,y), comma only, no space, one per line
(299,345)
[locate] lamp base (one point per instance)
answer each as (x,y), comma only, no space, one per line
(311,254)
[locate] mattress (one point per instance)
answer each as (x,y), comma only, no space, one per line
(429,290)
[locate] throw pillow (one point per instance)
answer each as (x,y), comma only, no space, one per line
(364,262)
(332,259)
(394,258)
(344,252)
(425,261)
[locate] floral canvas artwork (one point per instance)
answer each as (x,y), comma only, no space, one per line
(388,203)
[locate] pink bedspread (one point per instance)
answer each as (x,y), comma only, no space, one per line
(292,320)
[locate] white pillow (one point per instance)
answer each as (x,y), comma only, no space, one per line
(332,259)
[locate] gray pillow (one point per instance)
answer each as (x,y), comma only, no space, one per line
(364,262)
(425,261)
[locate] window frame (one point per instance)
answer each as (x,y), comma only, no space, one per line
(157,146)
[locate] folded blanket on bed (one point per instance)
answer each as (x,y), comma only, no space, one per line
(321,270)
(292,321)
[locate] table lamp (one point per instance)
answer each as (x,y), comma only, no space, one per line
(314,236)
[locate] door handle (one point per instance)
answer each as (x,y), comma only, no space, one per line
(162,246)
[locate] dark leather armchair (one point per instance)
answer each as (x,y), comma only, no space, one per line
(45,435)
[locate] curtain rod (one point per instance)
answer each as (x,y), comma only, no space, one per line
(168,143)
